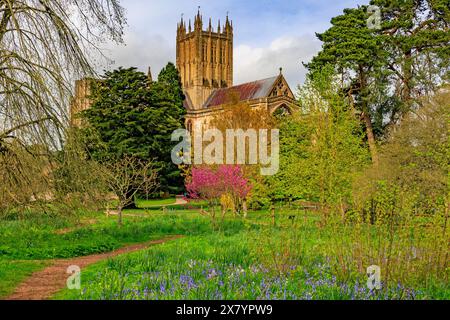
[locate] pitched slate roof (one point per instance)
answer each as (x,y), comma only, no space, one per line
(246,91)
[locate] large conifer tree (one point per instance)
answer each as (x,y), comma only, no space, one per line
(131,116)
(386,69)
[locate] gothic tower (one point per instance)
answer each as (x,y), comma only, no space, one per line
(204,58)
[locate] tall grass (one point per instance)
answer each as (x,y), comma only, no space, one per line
(218,266)
(411,250)
(39,239)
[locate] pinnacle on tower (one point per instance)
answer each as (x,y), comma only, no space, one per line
(203,67)
(198,24)
(181,26)
(228,26)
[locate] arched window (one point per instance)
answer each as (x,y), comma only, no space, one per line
(281,111)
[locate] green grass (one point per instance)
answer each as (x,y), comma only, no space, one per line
(237,259)
(289,261)
(14,272)
(156,204)
(191,207)
(142,203)
(222,266)
(24,240)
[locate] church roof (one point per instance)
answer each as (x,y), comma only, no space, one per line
(187,102)
(246,91)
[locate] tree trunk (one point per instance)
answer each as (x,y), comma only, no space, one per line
(213,214)
(272,209)
(223,211)
(131,204)
(244,207)
(407,75)
(119,215)
(366,117)
(370,138)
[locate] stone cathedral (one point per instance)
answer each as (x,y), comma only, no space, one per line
(205,62)
(204,58)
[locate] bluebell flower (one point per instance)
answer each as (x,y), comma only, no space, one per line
(212,273)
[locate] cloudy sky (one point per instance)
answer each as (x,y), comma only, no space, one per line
(267,34)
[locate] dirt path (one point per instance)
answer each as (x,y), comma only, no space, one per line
(44,284)
(178,201)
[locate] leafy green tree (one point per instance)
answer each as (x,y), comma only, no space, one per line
(388,68)
(167,95)
(170,81)
(132,117)
(414,160)
(120,115)
(356,52)
(415,35)
(321,147)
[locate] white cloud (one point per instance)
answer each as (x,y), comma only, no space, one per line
(250,62)
(141,52)
(266,36)
(253,63)
(264,39)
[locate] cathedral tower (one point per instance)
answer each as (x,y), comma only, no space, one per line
(204,58)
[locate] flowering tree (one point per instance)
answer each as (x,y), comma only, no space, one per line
(211,184)
(234,185)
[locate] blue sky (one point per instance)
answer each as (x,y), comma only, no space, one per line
(267,34)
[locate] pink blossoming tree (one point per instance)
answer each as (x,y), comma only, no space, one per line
(211,184)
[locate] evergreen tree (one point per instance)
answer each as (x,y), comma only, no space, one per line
(356,53)
(167,95)
(415,35)
(132,117)
(170,78)
(386,70)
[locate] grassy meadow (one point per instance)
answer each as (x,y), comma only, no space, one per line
(299,257)
(28,245)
